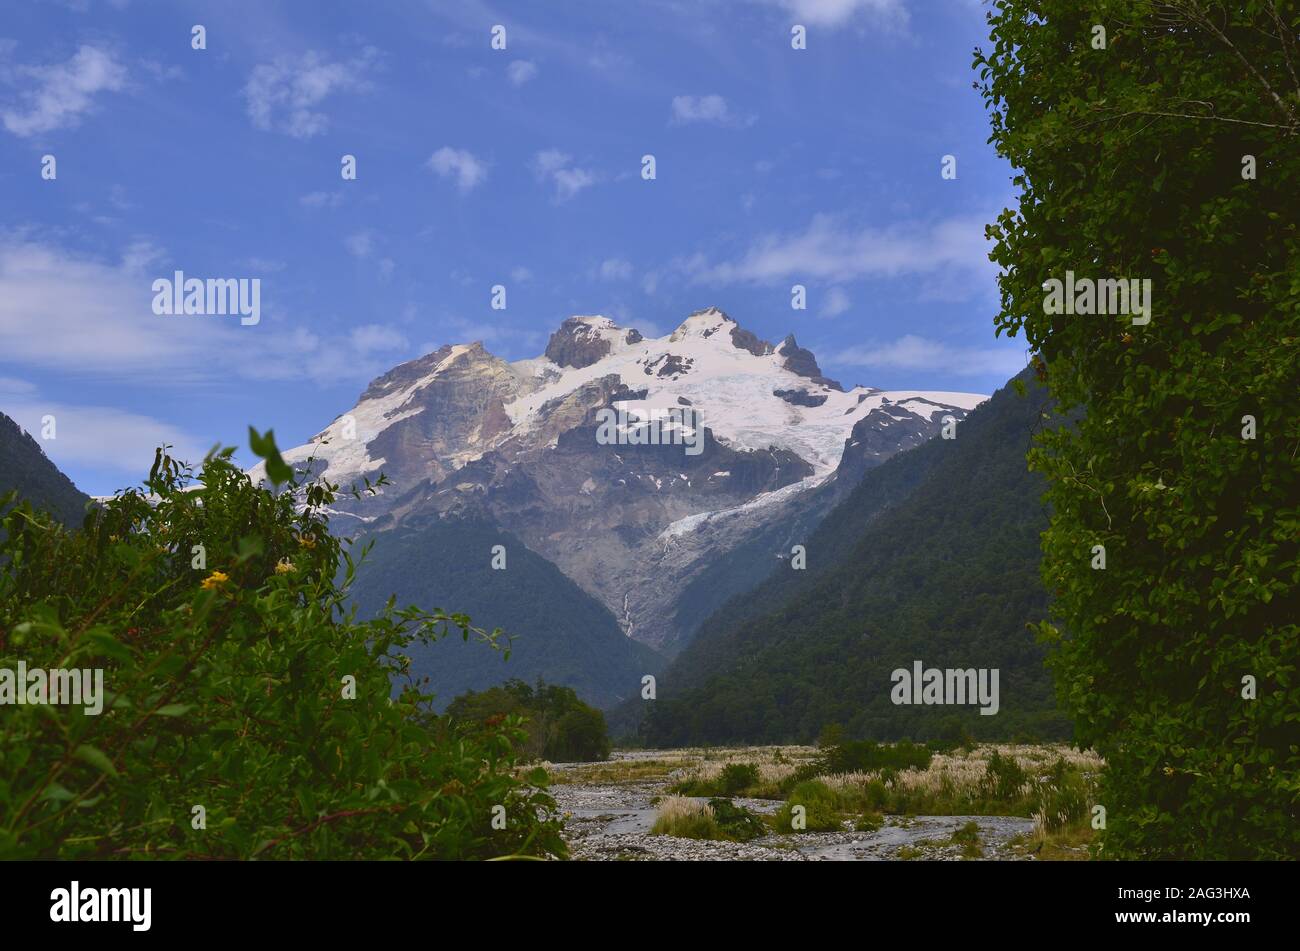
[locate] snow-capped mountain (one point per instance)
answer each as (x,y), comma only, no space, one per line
(461,432)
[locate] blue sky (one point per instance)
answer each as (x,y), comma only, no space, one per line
(475,167)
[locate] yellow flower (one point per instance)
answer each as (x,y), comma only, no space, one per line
(284,566)
(1169,770)
(307,541)
(215,580)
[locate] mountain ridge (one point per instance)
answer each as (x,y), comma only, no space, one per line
(463,433)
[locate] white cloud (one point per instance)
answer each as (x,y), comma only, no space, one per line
(11,385)
(377,338)
(285,95)
(557,167)
(831,251)
(521,342)
(911,352)
(63,92)
(76,314)
(521,275)
(888,14)
(102,437)
(321,199)
(615,269)
(521,71)
(364,245)
(55,308)
(468,170)
(361,244)
(142,254)
(712,108)
(837,302)
(264,265)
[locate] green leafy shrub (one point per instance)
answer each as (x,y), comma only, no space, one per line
(736,822)
(737,777)
(869,822)
(558,726)
(1004,778)
(246,712)
(968,837)
(1182,461)
(821,809)
(864,756)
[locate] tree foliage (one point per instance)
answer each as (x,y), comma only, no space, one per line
(247,713)
(557,725)
(1134,160)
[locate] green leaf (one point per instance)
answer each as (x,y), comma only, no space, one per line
(58,792)
(96,758)
(277,470)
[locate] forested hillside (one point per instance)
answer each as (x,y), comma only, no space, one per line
(560,633)
(934,557)
(25,467)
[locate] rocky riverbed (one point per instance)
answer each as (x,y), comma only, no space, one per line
(610,811)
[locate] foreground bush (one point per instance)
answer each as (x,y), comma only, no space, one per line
(245,712)
(1168,154)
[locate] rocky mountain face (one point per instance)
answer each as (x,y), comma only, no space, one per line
(724,450)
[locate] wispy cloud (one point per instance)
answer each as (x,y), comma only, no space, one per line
(521,71)
(836,302)
(889,14)
(321,199)
(54,307)
(286,95)
(711,109)
(378,338)
(834,251)
(59,95)
(911,352)
(556,167)
(615,269)
(102,437)
(459,164)
(360,244)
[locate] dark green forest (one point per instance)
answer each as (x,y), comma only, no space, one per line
(24,466)
(934,557)
(554,630)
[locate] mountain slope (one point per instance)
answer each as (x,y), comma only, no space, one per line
(25,467)
(559,632)
(463,435)
(933,557)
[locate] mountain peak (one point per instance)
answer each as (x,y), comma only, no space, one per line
(702,323)
(584,339)
(801,361)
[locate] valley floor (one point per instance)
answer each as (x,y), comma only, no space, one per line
(611,807)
